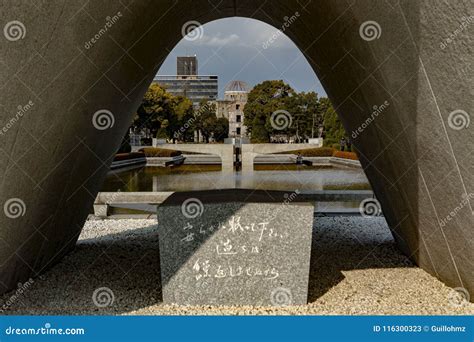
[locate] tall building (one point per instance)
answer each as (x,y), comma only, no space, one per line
(189,83)
(232,108)
(187,66)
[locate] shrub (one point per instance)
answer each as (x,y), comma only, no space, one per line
(146,141)
(327,142)
(259,135)
(159,152)
(162,134)
(127,156)
(313,152)
(345,155)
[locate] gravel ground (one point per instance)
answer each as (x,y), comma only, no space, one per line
(355,269)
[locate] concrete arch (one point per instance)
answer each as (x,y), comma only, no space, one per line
(79,58)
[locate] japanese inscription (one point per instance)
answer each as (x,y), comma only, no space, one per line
(235,253)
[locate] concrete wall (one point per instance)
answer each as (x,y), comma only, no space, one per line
(250,151)
(54,158)
(224,151)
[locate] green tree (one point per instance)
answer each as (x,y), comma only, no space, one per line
(163,130)
(260,134)
(203,118)
(180,123)
(324,104)
(156,107)
(163,114)
(221,129)
(333,128)
(264,100)
(309,115)
(306,115)
(206,122)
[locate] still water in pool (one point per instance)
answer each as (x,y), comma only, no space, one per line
(210,177)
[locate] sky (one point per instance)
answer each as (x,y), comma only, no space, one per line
(238,49)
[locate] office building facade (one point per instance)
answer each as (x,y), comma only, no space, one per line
(196,89)
(187,66)
(189,83)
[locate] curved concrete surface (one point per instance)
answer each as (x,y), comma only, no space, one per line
(54,158)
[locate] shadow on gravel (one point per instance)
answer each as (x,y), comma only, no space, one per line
(128,263)
(362,243)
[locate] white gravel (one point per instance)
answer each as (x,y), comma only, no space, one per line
(356,269)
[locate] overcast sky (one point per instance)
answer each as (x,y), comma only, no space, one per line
(233,49)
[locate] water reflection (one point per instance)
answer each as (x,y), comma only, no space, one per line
(207,177)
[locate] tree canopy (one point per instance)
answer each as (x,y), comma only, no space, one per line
(207,123)
(161,113)
(275,109)
(165,116)
(263,100)
(333,129)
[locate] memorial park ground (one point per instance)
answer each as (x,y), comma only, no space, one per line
(356,269)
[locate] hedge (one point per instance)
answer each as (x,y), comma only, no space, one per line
(345,155)
(313,152)
(159,152)
(324,152)
(127,156)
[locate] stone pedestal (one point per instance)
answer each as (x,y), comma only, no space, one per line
(247,252)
